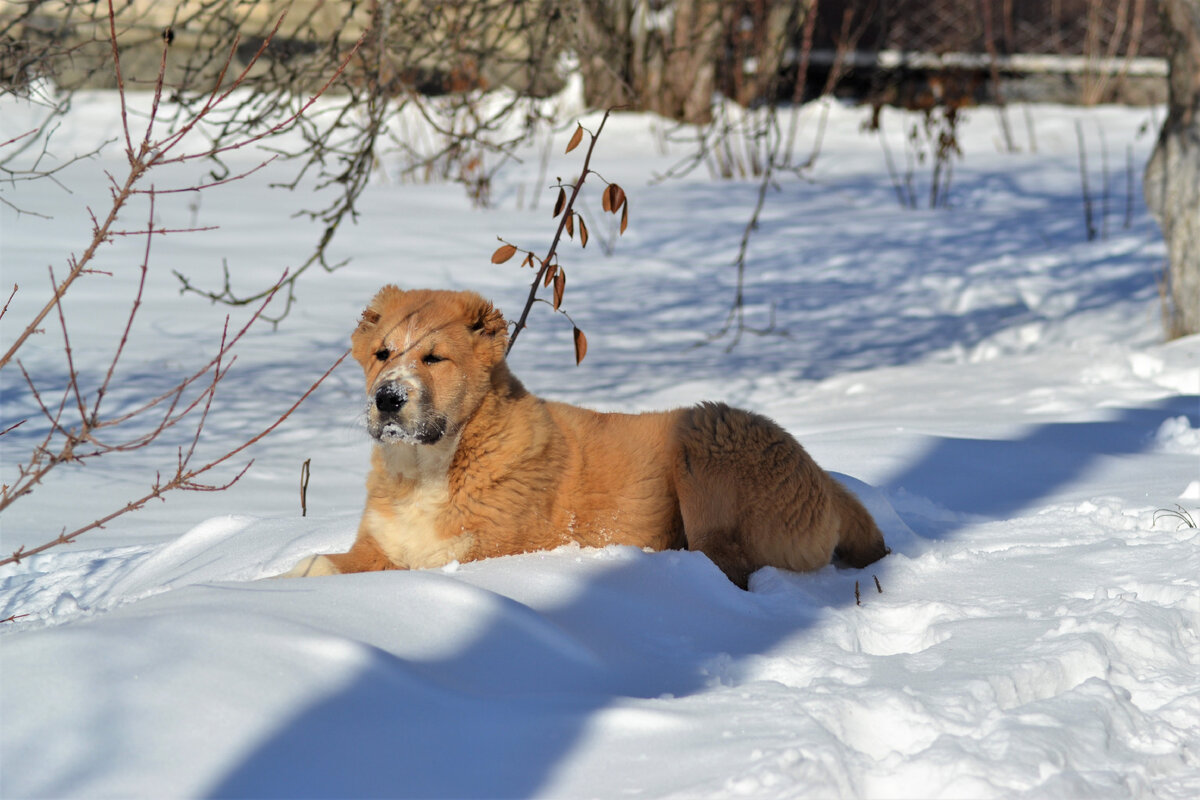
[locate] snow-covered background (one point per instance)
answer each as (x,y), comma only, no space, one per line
(991,383)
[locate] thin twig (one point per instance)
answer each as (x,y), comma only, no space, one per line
(737,309)
(73,384)
(144,268)
(304,475)
(8,301)
(562,223)
(183,480)
(1083,178)
(64,443)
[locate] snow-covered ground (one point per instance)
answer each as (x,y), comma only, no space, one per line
(990,382)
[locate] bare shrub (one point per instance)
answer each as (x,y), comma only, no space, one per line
(77,426)
(436,91)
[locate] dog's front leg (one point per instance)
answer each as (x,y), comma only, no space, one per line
(364,556)
(311,567)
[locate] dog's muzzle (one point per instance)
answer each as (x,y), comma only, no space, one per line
(387,423)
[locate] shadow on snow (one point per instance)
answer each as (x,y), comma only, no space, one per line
(498,718)
(1000,478)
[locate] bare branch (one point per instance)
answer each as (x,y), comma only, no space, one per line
(73,383)
(11,295)
(96,434)
(144,268)
(14,426)
(184,479)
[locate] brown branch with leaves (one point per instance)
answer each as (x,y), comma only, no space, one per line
(549,271)
(78,426)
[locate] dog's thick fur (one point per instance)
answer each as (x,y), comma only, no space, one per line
(470,465)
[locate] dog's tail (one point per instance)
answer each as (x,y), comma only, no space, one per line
(860,542)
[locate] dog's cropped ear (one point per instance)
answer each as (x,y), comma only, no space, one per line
(361,344)
(367,321)
(372,313)
(489,321)
(375,310)
(489,324)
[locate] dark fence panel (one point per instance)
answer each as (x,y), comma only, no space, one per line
(1095,28)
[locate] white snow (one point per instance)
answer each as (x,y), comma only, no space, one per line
(990,382)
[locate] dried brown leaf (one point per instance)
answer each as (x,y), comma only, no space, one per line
(560,286)
(503,253)
(624,217)
(549,276)
(606,198)
(570,225)
(618,198)
(561,201)
(583,234)
(576,138)
(580,346)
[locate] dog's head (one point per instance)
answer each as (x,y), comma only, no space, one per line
(428,358)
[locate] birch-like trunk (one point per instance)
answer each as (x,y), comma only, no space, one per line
(1172,180)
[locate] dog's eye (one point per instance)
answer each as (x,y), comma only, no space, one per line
(432,359)
(382,354)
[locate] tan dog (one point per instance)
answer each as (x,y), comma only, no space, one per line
(470,465)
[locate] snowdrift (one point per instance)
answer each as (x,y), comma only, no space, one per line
(991,383)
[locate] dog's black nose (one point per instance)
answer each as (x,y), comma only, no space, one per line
(390,398)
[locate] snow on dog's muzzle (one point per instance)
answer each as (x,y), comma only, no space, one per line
(390,398)
(394,414)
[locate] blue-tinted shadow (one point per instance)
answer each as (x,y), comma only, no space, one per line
(498,718)
(999,478)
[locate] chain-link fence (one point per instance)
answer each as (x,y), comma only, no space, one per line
(1065,50)
(1094,28)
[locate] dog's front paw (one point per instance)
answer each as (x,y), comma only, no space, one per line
(311,567)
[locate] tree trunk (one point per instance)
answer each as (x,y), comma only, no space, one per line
(664,57)
(605,47)
(661,61)
(1172,181)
